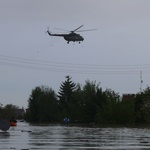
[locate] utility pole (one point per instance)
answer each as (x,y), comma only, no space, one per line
(141,81)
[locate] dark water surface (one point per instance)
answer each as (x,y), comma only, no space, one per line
(65,137)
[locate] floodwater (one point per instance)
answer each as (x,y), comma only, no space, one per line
(57,137)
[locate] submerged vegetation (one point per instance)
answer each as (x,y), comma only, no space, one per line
(86,104)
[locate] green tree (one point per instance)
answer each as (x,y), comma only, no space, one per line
(77,105)
(8,111)
(43,105)
(65,95)
(89,101)
(33,105)
(142,106)
(48,106)
(124,112)
(106,113)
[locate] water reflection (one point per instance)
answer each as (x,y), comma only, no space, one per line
(4,135)
(58,137)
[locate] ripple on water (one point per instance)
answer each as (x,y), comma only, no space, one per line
(25,136)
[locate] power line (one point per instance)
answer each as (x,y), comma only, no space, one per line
(72,67)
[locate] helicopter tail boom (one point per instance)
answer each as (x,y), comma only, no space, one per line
(49,33)
(54,34)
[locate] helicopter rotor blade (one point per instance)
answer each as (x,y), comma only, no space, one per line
(62,29)
(68,30)
(77,28)
(86,30)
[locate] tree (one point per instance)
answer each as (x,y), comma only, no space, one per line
(124,112)
(9,111)
(77,105)
(65,95)
(66,90)
(107,111)
(142,106)
(43,105)
(89,101)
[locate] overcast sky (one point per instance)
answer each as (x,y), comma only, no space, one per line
(113,55)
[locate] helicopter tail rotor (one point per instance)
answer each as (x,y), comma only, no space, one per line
(48,31)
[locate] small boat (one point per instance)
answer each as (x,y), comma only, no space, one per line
(13,123)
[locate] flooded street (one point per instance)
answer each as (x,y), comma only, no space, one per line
(26,137)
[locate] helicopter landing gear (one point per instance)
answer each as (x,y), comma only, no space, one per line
(79,42)
(68,42)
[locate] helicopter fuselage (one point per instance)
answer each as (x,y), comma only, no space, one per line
(74,37)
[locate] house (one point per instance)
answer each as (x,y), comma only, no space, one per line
(19,113)
(127,97)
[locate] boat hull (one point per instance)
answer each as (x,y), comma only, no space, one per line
(13,124)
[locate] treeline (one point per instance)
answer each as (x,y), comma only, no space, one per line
(86,104)
(8,112)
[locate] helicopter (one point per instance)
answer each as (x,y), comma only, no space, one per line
(72,36)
